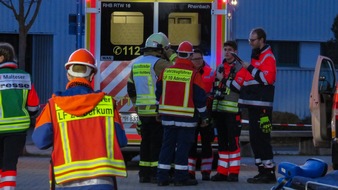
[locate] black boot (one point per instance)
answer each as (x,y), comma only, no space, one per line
(192,176)
(219,177)
(153,175)
(266,176)
(205,176)
(260,172)
(232,178)
(144,174)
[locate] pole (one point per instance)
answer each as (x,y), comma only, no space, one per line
(229,21)
(79,24)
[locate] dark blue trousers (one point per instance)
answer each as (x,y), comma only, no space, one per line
(176,144)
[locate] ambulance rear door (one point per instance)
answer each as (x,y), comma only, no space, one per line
(187,21)
(125,26)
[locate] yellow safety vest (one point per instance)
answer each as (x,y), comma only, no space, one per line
(144,77)
(228,104)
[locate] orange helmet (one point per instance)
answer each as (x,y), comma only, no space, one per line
(185,49)
(81,57)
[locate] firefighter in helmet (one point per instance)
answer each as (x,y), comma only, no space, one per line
(182,101)
(157,55)
(84,128)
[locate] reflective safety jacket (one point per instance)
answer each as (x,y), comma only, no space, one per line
(145,78)
(85,130)
(181,95)
(143,108)
(230,78)
(17,98)
(258,87)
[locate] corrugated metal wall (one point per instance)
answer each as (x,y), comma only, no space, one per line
(42,71)
(292,91)
(290,20)
(52,21)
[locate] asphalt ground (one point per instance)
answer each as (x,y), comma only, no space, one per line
(33,173)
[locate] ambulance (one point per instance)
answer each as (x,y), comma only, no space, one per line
(116,30)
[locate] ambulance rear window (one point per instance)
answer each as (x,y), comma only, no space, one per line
(184,26)
(126,28)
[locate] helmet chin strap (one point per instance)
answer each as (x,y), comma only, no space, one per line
(184,55)
(77,74)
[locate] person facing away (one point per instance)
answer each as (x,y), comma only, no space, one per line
(85,130)
(206,133)
(226,114)
(141,89)
(18,102)
(182,101)
(257,96)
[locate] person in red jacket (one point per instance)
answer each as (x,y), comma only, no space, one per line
(182,101)
(85,130)
(226,114)
(206,133)
(257,96)
(18,101)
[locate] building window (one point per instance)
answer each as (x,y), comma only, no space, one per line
(286,53)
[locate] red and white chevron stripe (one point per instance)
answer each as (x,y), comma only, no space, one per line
(114,78)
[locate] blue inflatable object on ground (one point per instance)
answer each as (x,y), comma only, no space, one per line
(327,182)
(312,168)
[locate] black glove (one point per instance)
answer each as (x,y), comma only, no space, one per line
(205,122)
(219,95)
(224,86)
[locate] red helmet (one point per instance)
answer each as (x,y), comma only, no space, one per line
(81,57)
(185,49)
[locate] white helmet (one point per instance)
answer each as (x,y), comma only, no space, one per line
(157,41)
